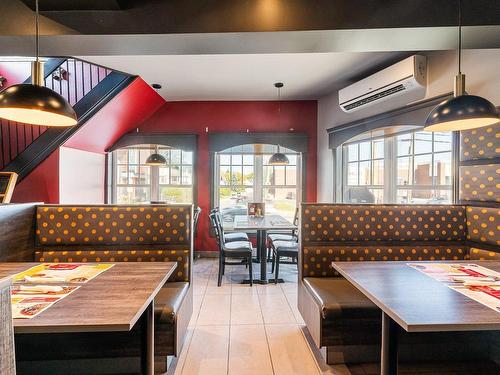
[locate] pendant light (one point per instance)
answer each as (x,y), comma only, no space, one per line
(34,103)
(156,159)
(279,158)
(462,112)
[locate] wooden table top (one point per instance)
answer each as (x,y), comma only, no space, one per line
(267,222)
(417,302)
(112,301)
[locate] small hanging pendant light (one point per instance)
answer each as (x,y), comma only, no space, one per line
(462,112)
(155,159)
(34,103)
(279,158)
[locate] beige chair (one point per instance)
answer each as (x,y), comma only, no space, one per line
(7,356)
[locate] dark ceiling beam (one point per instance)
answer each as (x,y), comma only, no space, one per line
(212,16)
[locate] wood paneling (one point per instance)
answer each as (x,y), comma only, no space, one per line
(17,232)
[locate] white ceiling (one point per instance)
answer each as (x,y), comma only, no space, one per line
(248,76)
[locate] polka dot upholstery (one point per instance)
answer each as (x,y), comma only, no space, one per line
(482,143)
(480,183)
(112,225)
(483,225)
(317,259)
(83,256)
(385,223)
(480,254)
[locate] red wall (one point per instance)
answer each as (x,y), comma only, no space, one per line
(221,116)
(42,184)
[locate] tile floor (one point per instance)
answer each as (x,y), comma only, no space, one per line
(238,329)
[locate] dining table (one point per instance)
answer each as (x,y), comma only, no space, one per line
(262,224)
(103,304)
(417,302)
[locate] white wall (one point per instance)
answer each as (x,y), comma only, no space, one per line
(479,66)
(81,176)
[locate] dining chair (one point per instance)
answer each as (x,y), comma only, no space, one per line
(231,236)
(232,250)
(283,235)
(282,249)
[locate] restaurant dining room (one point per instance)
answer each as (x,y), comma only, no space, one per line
(236,187)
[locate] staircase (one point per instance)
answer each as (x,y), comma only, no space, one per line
(86,86)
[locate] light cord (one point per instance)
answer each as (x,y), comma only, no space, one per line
(459,36)
(37,31)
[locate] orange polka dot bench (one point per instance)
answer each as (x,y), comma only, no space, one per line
(342,320)
(135,233)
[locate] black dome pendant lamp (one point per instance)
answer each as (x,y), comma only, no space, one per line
(462,112)
(279,158)
(156,160)
(34,103)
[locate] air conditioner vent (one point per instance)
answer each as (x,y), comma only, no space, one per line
(374,97)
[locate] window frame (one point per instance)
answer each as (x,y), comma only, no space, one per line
(258,185)
(154,174)
(391,157)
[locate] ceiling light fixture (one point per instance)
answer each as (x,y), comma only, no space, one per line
(462,112)
(34,103)
(279,158)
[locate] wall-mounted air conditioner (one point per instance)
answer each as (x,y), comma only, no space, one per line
(395,86)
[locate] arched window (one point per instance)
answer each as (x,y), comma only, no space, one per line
(135,182)
(243,174)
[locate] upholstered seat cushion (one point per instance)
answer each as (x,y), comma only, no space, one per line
(281,237)
(238,245)
(286,248)
(235,236)
(338,298)
(168,301)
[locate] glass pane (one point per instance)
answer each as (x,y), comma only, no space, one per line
(404,144)
(365,150)
(225,175)
(378,194)
(247,175)
(359,194)
(171,194)
(279,175)
(352,174)
(132,194)
(236,176)
(237,159)
(121,174)
(225,159)
(365,173)
(165,152)
(247,159)
(423,142)
(378,149)
(133,156)
(280,201)
(175,156)
(175,175)
(423,170)
(291,175)
(292,158)
(265,159)
(267,173)
(442,168)
(424,196)
(352,152)
(404,171)
(121,156)
(442,141)
(164,173)
(187,157)
(133,175)
(234,202)
(378,172)
(144,175)
(144,155)
(187,175)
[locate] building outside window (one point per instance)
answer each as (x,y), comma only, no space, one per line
(243,175)
(136,182)
(414,167)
